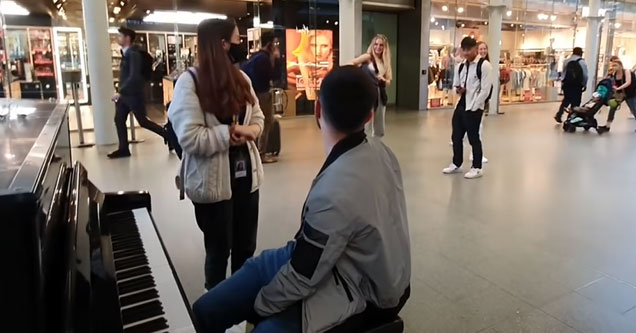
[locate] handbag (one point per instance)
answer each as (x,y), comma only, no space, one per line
(381,84)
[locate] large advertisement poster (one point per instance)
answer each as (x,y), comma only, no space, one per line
(309,59)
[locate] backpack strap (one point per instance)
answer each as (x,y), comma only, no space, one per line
(479,64)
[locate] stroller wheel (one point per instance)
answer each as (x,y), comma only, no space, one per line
(586,128)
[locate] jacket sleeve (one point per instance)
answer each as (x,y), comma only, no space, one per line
(189,123)
(486,83)
(134,78)
(325,233)
(257,118)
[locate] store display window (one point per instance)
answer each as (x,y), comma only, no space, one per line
(70,63)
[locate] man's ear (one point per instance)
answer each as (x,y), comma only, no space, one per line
(369,117)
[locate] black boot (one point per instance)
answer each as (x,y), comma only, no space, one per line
(119,154)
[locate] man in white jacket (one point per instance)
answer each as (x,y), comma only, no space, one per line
(348,268)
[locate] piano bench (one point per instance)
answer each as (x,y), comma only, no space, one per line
(396,326)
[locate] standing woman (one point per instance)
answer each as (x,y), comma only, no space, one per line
(378,62)
(482,51)
(216,116)
(624,90)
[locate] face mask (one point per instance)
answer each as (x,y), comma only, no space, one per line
(237,53)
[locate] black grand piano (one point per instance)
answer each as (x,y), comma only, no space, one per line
(75,259)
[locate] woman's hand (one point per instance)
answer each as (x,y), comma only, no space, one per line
(239,134)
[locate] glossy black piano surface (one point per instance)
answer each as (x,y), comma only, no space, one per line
(75,259)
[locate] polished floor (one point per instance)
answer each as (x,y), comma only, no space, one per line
(544,242)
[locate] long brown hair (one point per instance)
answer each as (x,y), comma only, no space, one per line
(222,89)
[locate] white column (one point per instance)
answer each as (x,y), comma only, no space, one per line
(350,23)
(425,46)
(592,45)
(495,19)
(99,69)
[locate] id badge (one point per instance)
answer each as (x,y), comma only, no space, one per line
(240,168)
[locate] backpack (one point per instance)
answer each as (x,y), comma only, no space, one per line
(171,136)
(146,64)
(479,64)
(574,74)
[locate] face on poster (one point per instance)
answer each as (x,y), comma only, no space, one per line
(309,59)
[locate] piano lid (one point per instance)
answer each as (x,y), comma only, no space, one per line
(28,132)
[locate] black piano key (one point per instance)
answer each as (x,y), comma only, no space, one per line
(141,312)
(128,253)
(139,271)
(139,297)
(140,283)
(133,243)
(124,237)
(149,326)
(130,262)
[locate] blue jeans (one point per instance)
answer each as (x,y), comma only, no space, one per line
(232,301)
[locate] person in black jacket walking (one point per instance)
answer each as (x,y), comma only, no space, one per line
(131,93)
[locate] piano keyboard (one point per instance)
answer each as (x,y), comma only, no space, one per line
(149,297)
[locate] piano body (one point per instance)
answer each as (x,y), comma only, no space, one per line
(75,259)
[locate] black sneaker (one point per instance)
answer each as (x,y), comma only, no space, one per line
(558,119)
(602,129)
(119,154)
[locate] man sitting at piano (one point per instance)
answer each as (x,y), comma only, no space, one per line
(349,266)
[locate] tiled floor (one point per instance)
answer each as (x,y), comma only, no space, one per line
(543,243)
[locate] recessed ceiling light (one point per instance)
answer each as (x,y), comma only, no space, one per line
(460,10)
(617,25)
(116,10)
(148,11)
(111,20)
(445,8)
(509,13)
(432,19)
(182,17)
(9,7)
(327,21)
(436,23)
(335,23)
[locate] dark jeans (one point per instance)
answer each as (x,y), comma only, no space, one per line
(466,122)
(631,104)
(229,226)
(232,301)
(571,98)
(123,107)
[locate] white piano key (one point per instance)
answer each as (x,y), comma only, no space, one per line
(173,304)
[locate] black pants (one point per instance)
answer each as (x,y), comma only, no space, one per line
(466,122)
(123,107)
(230,225)
(571,97)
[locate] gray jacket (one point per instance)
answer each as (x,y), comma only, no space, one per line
(353,246)
(131,82)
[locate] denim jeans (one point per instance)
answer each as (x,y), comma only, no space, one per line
(232,301)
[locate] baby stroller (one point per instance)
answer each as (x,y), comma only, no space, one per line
(583,116)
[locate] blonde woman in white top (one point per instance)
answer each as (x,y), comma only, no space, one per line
(377,61)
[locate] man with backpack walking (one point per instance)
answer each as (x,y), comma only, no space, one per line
(135,70)
(472,82)
(573,83)
(264,67)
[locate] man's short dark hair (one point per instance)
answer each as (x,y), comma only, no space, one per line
(267,38)
(468,43)
(347,95)
(128,32)
(577,51)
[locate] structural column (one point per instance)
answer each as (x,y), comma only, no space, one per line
(425,46)
(350,30)
(592,46)
(99,69)
(495,18)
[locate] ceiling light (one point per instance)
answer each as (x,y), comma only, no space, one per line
(552,18)
(617,25)
(335,23)
(436,23)
(444,8)
(116,10)
(432,19)
(463,25)
(460,9)
(9,7)
(111,20)
(443,28)
(512,25)
(485,22)
(509,13)
(542,16)
(122,3)
(183,17)
(148,11)
(327,21)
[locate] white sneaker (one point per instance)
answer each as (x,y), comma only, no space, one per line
(240,328)
(474,173)
(483,158)
(452,168)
